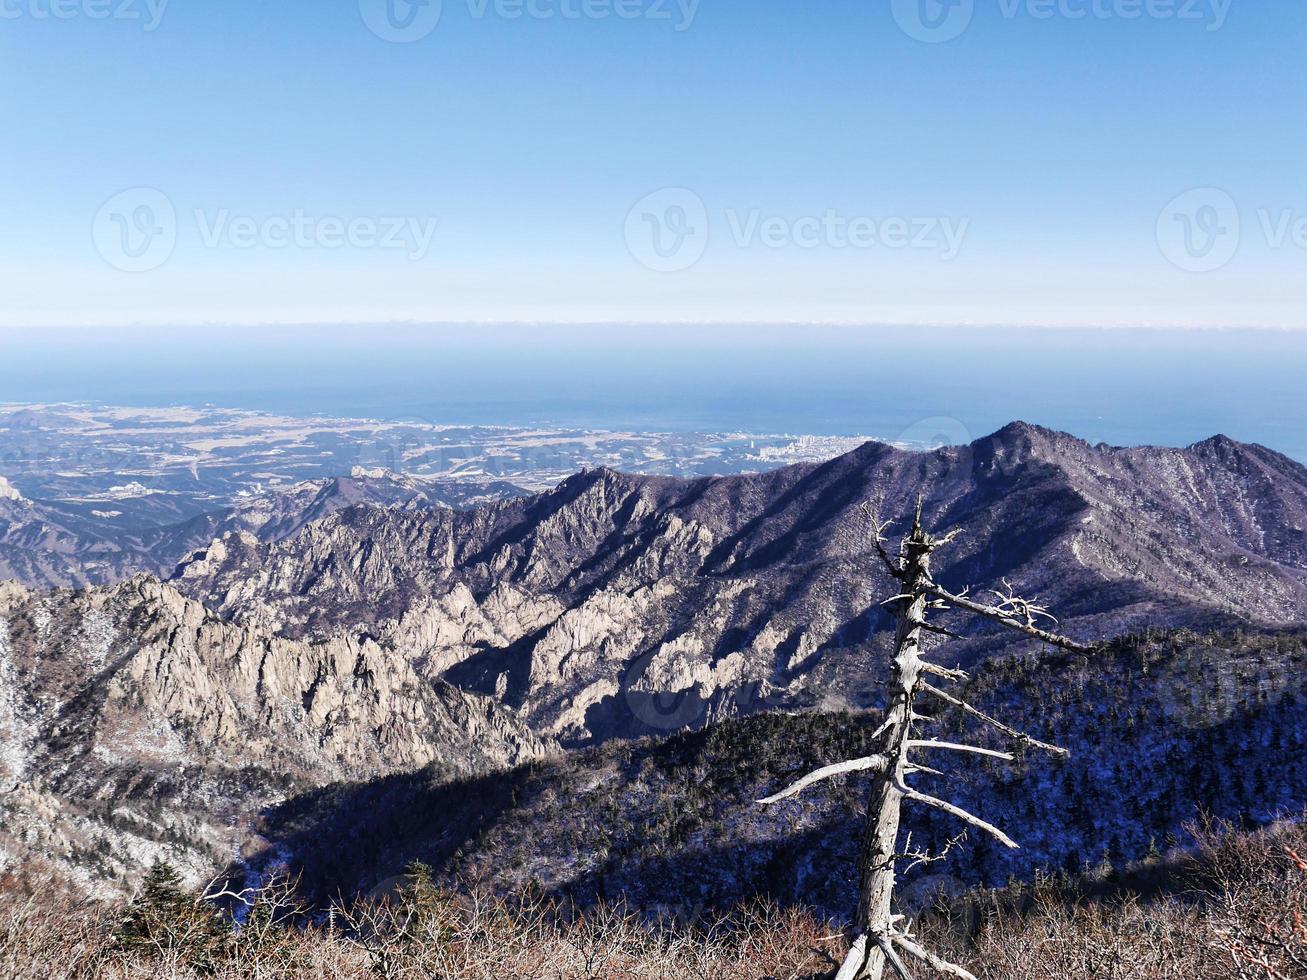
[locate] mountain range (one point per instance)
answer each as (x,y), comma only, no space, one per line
(618,605)
(362,629)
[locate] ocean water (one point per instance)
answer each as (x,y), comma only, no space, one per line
(1126,387)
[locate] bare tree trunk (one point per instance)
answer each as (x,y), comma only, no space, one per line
(880,842)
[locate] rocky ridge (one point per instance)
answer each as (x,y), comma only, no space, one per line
(136,724)
(56,544)
(618,605)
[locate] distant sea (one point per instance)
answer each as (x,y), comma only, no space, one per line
(914,384)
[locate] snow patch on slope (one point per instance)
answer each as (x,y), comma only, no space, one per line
(16,730)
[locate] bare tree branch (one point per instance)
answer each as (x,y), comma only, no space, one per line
(935,670)
(944,539)
(928,743)
(917,858)
(878,539)
(917,767)
(1021,737)
(882,728)
(1007,619)
(956,811)
(920,952)
(1030,609)
(940,630)
(887,947)
(877,763)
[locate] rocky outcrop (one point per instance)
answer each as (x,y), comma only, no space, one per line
(618,605)
(136,724)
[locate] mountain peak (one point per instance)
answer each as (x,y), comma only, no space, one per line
(370,473)
(1027,431)
(1219,442)
(594,476)
(8,491)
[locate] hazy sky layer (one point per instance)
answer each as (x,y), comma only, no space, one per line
(917,385)
(1056,162)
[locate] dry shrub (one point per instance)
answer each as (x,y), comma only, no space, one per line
(420,934)
(1241,914)
(478,937)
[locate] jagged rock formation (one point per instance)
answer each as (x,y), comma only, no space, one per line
(136,724)
(619,605)
(52,544)
(276,515)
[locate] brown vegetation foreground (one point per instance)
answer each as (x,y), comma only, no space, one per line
(1242,914)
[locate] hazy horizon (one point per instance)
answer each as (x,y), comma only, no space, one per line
(1126,387)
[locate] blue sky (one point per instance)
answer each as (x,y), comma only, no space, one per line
(828,166)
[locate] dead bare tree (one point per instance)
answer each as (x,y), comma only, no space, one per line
(881,935)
